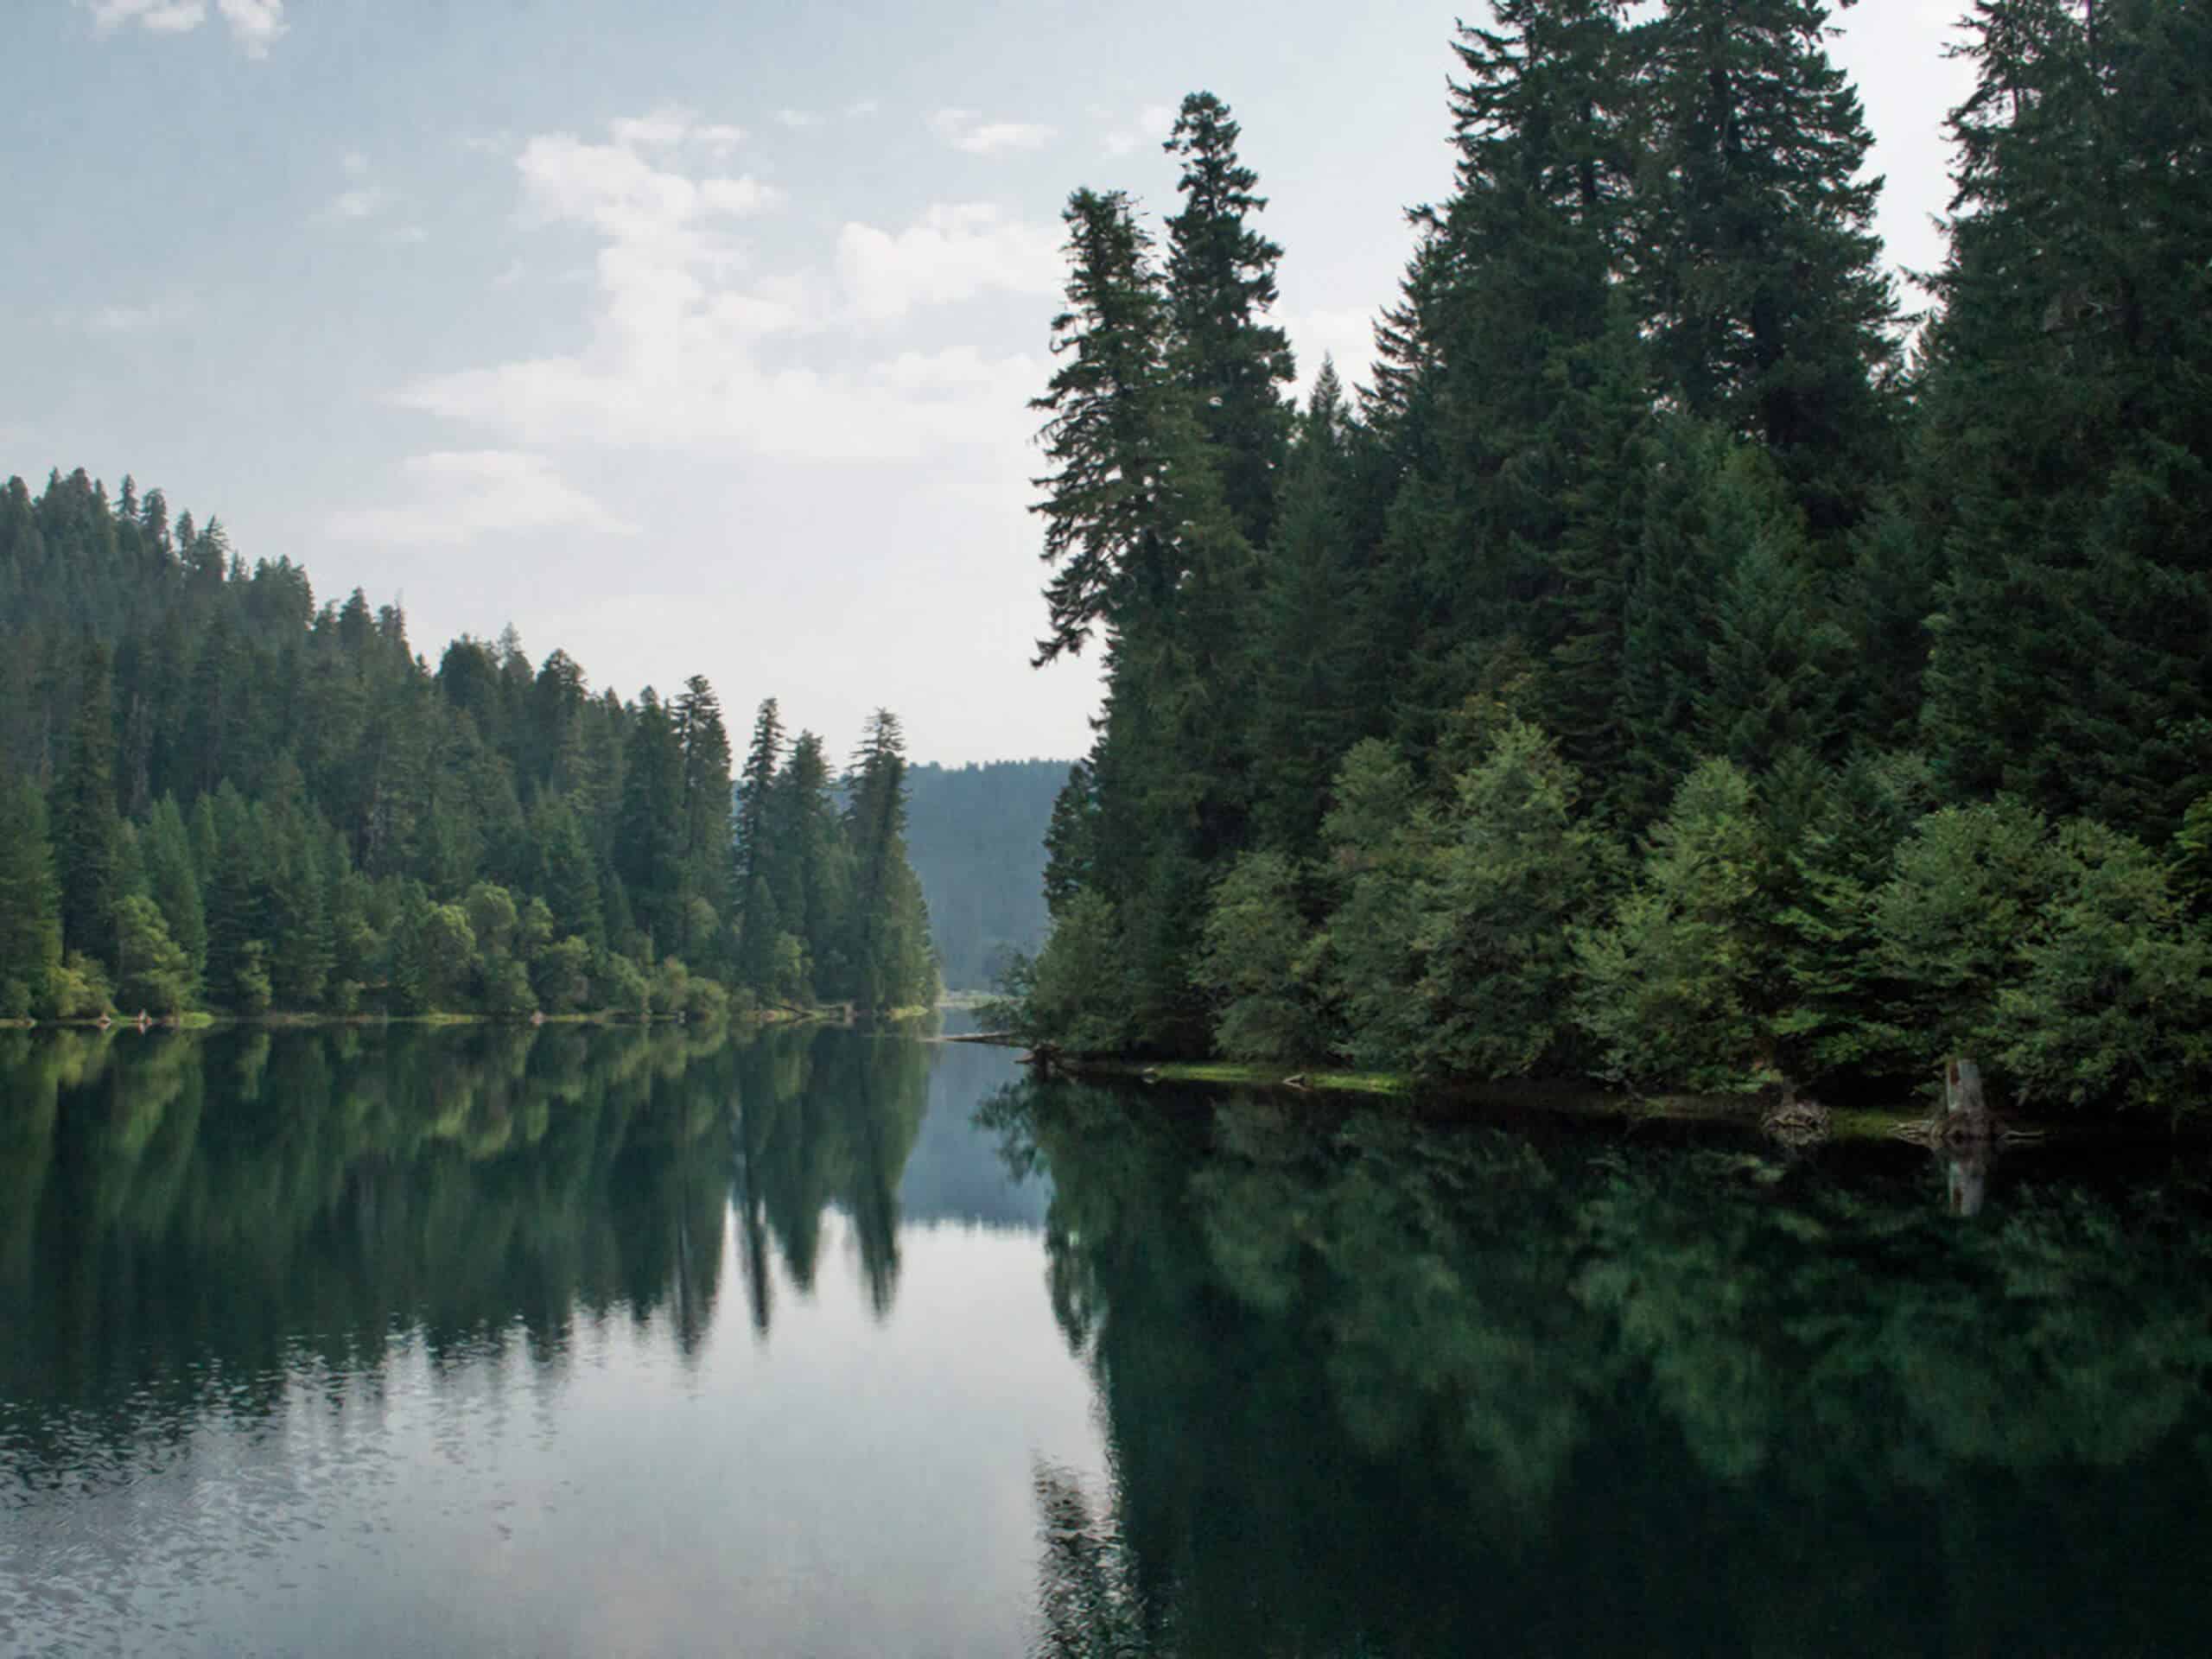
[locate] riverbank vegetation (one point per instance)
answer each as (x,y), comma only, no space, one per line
(1680,665)
(215,793)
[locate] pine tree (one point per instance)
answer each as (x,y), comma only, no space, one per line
(237,912)
(30,905)
(2065,463)
(709,847)
(1304,670)
(758,925)
(87,823)
(1144,545)
(1500,328)
(811,877)
(649,838)
(886,918)
(1775,661)
(1220,286)
(173,884)
(1754,255)
(1071,840)
(1110,427)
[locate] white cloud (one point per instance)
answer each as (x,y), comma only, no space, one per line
(956,252)
(254,24)
(156,16)
(966,130)
(662,129)
(673,126)
(797,120)
(455,496)
(862,107)
(137,319)
(718,138)
(686,346)
(1151,126)
(350,206)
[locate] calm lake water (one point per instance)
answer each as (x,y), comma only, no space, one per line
(489,1341)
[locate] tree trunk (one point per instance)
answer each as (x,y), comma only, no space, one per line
(1966,1113)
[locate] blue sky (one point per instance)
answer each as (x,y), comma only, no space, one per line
(690,336)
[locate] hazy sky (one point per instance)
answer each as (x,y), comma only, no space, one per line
(690,335)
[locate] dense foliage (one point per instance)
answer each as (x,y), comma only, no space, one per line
(1675,669)
(216,793)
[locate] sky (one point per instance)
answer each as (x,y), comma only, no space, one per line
(689,336)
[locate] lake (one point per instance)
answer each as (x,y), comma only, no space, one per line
(488,1340)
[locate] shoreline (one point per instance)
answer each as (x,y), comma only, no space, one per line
(202,1019)
(1590,1102)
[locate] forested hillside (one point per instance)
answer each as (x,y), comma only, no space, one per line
(216,792)
(1683,666)
(977,843)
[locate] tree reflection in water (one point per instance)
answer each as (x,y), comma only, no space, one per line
(1374,1388)
(350,1189)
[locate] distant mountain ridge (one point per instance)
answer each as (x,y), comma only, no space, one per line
(976,835)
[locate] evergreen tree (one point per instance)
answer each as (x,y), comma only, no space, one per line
(172,882)
(1754,254)
(707,816)
(1504,326)
(153,974)
(1305,671)
(1220,286)
(888,931)
(649,838)
(758,925)
(1111,427)
(87,823)
(30,905)
(811,876)
(2065,464)
(1144,545)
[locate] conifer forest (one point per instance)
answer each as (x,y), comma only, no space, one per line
(1683,664)
(1528,968)
(217,794)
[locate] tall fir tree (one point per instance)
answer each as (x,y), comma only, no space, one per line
(87,823)
(1754,255)
(2064,467)
(30,904)
(649,836)
(759,927)
(1220,289)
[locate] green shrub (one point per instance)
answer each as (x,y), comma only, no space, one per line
(2114,996)
(1670,985)
(1256,959)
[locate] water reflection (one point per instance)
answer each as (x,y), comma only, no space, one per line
(1373,1390)
(366,1341)
(342,1188)
(362,1341)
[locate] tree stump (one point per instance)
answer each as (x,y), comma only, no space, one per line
(1966,1113)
